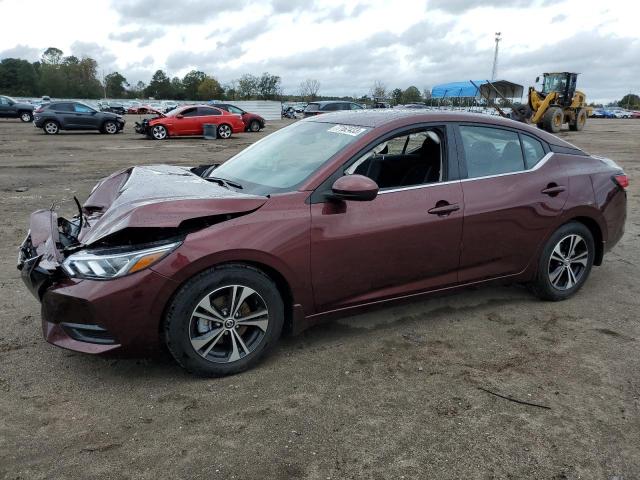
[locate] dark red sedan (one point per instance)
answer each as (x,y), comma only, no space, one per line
(328,215)
(190,121)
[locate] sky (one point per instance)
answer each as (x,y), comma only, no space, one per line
(346,45)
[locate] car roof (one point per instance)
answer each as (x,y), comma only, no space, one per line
(325,102)
(376,118)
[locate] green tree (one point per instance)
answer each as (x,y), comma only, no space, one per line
(396,96)
(116,85)
(269,86)
(630,100)
(248,86)
(159,87)
(191,82)
(210,89)
(411,95)
(52,56)
(177,89)
(18,77)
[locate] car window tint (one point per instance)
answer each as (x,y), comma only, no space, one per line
(330,107)
(533,151)
(78,107)
(62,107)
(233,109)
(206,111)
(405,160)
(491,151)
(4,101)
(190,112)
(355,106)
(312,107)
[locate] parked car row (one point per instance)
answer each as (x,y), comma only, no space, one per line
(55,116)
(614,113)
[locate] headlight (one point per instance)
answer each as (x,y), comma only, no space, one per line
(105,265)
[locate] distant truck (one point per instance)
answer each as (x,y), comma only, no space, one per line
(10,108)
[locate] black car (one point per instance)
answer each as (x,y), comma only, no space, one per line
(113,107)
(252,121)
(57,116)
(316,108)
(9,108)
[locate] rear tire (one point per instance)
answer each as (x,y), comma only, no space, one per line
(552,119)
(224,320)
(26,117)
(224,131)
(51,127)
(579,121)
(565,262)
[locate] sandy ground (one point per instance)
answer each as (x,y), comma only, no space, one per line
(391,394)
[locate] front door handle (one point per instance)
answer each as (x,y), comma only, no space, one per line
(443,208)
(552,190)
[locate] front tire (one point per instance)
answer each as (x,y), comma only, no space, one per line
(224,320)
(224,131)
(552,119)
(26,117)
(50,127)
(159,132)
(254,126)
(110,128)
(565,262)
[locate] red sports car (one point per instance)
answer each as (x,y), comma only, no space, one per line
(333,213)
(189,121)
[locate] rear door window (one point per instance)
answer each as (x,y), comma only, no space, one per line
(62,107)
(207,111)
(533,151)
(491,151)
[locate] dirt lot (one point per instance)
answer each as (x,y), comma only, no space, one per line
(393,394)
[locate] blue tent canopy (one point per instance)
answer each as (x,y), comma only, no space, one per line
(482,88)
(457,89)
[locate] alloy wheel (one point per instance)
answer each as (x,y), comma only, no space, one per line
(568,262)
(224,131)
(228,324)
(51,127)
(25,117)
(111,128)
(159,132)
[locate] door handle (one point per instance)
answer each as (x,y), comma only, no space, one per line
(443,208)
(552,190)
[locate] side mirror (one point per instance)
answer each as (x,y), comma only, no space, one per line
(357,188)
(179,116)
(537,79)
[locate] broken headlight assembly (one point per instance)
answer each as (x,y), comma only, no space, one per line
(112,263)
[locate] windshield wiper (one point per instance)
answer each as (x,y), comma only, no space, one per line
(223,182)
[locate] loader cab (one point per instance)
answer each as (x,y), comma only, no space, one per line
(564,83)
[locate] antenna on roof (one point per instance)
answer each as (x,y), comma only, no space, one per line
(494,72)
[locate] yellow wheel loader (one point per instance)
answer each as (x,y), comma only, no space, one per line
(559,102)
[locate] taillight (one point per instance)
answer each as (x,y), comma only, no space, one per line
(621,180)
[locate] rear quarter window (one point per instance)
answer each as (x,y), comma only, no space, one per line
(533,151)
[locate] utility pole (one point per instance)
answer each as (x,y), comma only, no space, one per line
(494,72)
(104,84)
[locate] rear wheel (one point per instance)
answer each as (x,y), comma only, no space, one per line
(50,127)
(110,127)
(158,132)
(579,121)
(565,262)
(26,116)
(224,131)
(224,320)
(552,119)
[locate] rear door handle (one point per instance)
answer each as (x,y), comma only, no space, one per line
(552,191)
(443,209)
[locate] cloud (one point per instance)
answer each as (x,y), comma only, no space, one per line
(22,51)
(246,33)
(106,59)
(171,12)
(205,61)
(339,14)
(144,36)
(289,6)
(460,6)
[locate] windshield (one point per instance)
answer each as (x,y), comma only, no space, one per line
(554,83)
(281,161)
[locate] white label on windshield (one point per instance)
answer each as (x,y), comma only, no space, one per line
(347,130)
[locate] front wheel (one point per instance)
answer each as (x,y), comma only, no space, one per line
(552,119)
(254,126)
(224,131)
(26,117)
(158,132)
(565,262)
(50,127)
(224,320)
(110,128)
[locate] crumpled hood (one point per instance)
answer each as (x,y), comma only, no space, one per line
(157,196)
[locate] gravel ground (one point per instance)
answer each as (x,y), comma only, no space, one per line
(390,394)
